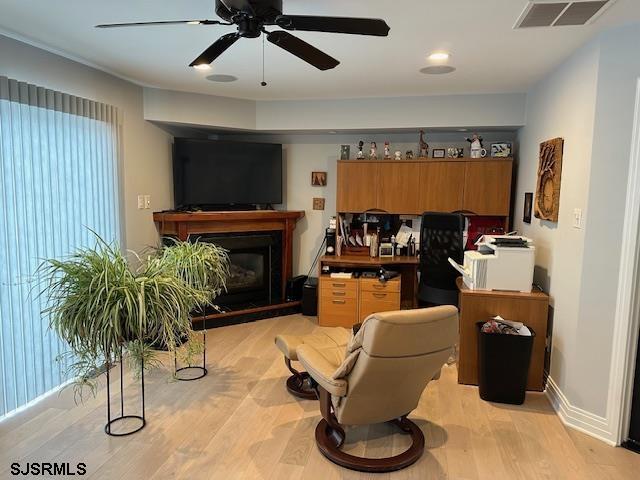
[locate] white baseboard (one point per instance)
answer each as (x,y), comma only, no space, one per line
(577,418)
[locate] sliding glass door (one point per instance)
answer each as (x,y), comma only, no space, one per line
(58,182)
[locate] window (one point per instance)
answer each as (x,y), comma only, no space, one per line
(58,181)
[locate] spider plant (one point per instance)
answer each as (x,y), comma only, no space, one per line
(100,306)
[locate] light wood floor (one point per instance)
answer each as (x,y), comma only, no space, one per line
(239,423)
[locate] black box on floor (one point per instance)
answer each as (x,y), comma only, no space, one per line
(310,297)
(294,288)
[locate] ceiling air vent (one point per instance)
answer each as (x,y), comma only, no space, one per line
(547,13)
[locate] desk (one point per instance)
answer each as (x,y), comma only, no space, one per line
(480,305)
(406,266)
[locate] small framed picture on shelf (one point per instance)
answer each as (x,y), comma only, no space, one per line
(528,205)
(438,153)
(319,179)
(345,152)
(501,150)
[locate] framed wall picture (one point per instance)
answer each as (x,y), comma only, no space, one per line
(318,203)
(528,206)
(319,179)
(501,150)
(438,153)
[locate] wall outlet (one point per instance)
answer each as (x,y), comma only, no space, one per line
(147,202)
(577,218)
(140,202)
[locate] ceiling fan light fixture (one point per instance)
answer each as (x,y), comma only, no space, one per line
(439,56)
(194,22)
(202,66)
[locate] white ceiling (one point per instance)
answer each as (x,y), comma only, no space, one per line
(489,55)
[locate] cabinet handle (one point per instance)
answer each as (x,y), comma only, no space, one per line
(339,285)
(339,302)
(339,294)
(380,295)
(379,287)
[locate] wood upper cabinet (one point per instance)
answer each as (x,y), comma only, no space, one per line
(487,187)
(441,186)
(357,189)
(481,186)
(398,187)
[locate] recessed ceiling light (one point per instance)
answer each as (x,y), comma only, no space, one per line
(202,66)
(437,69)
(332,132)
(439,56)
(222,78)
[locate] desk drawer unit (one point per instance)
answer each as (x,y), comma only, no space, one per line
(378,297)
(338,302)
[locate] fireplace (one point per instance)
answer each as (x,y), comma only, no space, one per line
(255,261)
(260,248)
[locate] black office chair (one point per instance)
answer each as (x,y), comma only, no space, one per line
(441,237)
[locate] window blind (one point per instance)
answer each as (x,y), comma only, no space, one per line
(58,179)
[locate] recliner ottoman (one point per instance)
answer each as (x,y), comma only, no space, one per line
(332,341)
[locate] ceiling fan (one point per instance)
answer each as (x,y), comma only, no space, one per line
(252,16)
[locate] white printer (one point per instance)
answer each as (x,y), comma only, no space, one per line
(502,262)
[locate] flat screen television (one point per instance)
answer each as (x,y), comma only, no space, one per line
(212,174)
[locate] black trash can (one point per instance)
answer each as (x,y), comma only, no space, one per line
(503,365)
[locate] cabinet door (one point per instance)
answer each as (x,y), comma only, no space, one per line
(398,184)
(441,186)
(487,187)
(357,186)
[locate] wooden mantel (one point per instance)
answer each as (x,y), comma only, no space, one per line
(183,224)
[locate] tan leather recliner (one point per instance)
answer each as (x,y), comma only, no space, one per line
(386,367)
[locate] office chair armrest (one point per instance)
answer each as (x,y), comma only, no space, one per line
(321,370)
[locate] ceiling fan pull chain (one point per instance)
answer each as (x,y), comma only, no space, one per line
(263,83)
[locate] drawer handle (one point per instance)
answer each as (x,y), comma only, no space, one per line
(339,285)
(380,295)
(379,287)
(339,302)
(339,294)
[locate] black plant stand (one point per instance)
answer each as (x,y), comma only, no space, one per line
(111,421)
(203,369)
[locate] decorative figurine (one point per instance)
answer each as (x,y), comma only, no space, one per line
(373,151)
(387,150)
(344,152)
(424,146)
(476,146)
(360,152)
(398,154)
(409,155)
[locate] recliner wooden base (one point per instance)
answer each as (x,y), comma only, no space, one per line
(299,384)
(330,437)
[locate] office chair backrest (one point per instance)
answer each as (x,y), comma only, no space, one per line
(398,354)
(441,237)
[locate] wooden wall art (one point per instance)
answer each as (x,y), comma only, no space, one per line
(547,202)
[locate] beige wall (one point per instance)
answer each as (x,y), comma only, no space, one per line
(146,166)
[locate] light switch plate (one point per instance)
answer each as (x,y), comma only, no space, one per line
(577,218)
(147,202)
(140,202)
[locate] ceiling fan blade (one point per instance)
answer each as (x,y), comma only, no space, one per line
(355,26)
(303,50)
(240,6)
(170,22)
(216,49)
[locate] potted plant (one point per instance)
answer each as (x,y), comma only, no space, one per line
(103,307)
